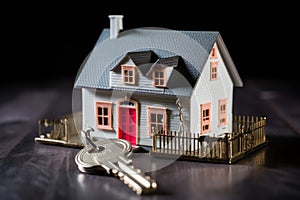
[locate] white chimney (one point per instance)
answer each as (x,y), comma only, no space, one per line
(116,24)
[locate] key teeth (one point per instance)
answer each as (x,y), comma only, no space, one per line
(154,185)
(121,175)
(138,192)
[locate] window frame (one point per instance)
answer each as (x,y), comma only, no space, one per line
(124,76)
(214,52)
(102,105)
(154,78)
(214,65)
(222,113)
(205,120)
(157,111)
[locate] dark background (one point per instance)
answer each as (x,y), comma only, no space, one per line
(50,42)
(44,44)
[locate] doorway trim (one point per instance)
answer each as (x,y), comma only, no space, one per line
(128,103)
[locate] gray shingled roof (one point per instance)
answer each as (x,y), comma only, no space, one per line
(163,42)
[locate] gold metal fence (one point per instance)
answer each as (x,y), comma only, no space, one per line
(248,135)
(61,131)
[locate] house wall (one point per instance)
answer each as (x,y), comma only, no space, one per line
(210,91)
(90,96)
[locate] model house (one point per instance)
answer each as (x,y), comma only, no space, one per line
(146,81)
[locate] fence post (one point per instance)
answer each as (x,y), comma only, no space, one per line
(188,142)
(227,154)
(66,132)
(264,129)
(201,144)
(160,142)
(175,140)
(258,129)
(198,144)
(194,144)
(154,143)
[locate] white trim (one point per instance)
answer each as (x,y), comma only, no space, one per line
(237,81)
(157,107)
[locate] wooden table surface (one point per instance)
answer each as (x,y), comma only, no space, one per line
(37,171)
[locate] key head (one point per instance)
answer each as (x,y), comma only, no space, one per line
(111,150)
(87,158)
(85,162)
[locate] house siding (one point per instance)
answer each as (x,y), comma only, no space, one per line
(211,91)
(90,96)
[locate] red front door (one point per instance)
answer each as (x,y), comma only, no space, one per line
(127,124)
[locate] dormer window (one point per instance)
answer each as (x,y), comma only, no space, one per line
(159,78)
(129,75)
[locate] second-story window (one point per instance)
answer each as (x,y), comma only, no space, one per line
(214,63)
(129,75)
(159,78)
(214,70)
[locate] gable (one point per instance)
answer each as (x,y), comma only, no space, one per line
(234,75)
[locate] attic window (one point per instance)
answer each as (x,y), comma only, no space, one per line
(159,78)
(214,70)
(129,74)
(214,52)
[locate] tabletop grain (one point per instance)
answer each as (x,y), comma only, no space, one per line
(30,170)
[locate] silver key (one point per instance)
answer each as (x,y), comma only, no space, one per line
(113,156)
